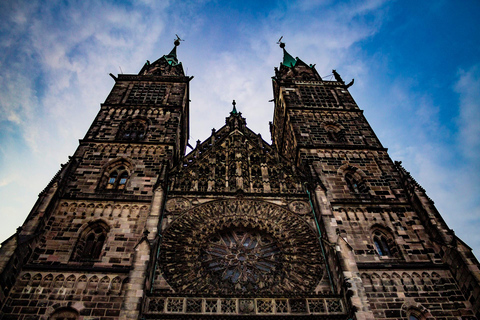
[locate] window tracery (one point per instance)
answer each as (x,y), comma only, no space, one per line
(233,247)
(116,176)
(90,243)
(382,246)
(384,243)
(133,130)
(355,183)
(241,256)
(335,133)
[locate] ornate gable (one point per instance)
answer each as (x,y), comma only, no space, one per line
(235,159)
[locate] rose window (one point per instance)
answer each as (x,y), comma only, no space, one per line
(238,247)
(241,257)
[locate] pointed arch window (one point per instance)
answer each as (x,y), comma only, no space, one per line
(382,247)
(384,244)
(335,133)
(91,242)
(355,184)
(117,179)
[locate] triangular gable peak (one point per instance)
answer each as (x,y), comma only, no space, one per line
(235,159)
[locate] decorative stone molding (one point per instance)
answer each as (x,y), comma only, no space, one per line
(241,306)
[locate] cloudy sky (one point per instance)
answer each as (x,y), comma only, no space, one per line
(416,66)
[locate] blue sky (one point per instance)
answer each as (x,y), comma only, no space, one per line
(416,66)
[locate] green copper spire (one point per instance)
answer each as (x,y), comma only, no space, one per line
(234,110)
(172,56)
(173,53)
(288,60)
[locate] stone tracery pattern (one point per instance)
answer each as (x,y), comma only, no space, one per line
(280,257)
(234,158)
(245,257)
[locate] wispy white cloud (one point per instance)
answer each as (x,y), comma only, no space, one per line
(55,61)
(443,160)
(241,71)
(468,88)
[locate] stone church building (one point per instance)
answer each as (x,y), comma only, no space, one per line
(320,224)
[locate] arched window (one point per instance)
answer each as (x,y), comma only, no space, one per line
(414,314)
(355,184)
(90,243)
(384,244)
(117,178)
(133,130)
(64,314)
(335,133)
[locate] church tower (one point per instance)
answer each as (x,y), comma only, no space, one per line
(84,250)
(320,224)
(398,258)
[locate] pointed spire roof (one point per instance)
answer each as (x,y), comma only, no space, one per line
(235,119)
(292,67)
(234,109)
(166,65)
(172,56)
(288,60)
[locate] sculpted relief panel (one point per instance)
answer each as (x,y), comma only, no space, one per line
(176,205)
(241,246)
(300,207)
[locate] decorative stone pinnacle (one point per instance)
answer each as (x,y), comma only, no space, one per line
(234,110)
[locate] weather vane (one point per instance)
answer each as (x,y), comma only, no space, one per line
(279,42)
(177,41)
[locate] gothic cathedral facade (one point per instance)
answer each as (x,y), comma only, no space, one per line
(320,224)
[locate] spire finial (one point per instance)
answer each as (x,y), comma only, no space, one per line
(279,42)
(172,56)
(288,60)
(234,109)
(177,41)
